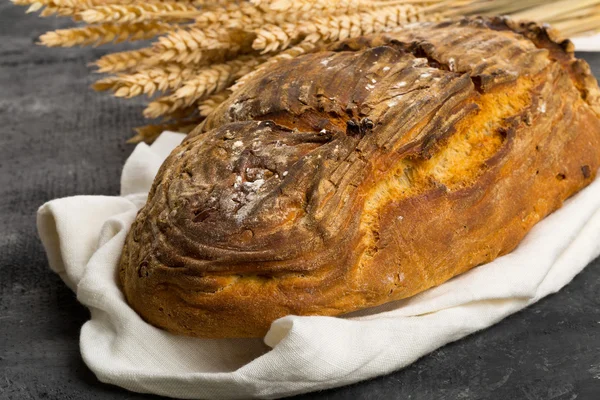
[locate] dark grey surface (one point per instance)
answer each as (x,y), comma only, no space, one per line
(58,138)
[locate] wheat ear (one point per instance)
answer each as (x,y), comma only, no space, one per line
(190,45)
(124,60)
(292,52)
(60,11)
(139,12)
(247,17)
(149,133)
(94,3)
(579,26)
(207,81)
(147,81)
(216,78)
(233,12)
(332,28)
(310,5)
(36,5)
(208,105)
(103,33)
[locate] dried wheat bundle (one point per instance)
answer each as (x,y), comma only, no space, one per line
(206,49)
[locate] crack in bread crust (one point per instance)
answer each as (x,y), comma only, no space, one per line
(340,179)
(453,165)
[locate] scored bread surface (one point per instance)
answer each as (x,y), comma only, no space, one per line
(363,173)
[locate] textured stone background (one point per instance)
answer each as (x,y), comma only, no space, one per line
(58,138)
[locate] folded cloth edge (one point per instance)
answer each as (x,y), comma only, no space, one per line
(286,334)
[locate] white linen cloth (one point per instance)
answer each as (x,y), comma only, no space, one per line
(83,236)
(587,43)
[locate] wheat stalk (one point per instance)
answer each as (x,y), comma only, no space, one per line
(575,15)
(578,26)
(554,9)
(496,7)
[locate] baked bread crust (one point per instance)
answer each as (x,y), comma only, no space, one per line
(363,173)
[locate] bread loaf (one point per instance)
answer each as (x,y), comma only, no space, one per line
(363,173)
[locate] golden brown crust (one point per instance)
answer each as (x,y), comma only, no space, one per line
(363,173)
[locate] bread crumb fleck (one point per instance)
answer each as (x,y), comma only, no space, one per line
(417,62)
(236,108)
(542,107)
(254,186)
(451,64)
(238,181)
